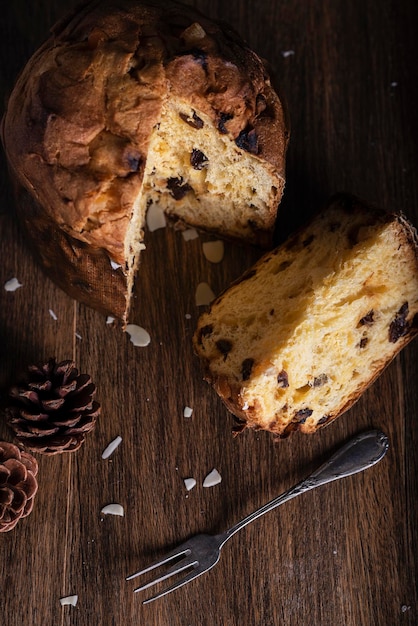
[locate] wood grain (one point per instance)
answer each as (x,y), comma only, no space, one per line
(345,554)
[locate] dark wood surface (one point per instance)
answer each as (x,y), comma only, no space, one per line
(342,555)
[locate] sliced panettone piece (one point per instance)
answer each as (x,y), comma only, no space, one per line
(294,342)
(129,105)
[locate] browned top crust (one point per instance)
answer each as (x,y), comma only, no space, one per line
(79,120)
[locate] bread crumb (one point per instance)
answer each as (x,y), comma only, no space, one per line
(204,294)
(113,509)
(111,447)
(110,319)
(193,33)
(189,234)
(187,412)
(213,251)
(287,53)
(115,266)
(139,336)
(12,285)
(189,483)
(69,600)
(52,314)
(212,479)
(155,218)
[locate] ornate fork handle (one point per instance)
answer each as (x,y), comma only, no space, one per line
(357,455)
(201,552)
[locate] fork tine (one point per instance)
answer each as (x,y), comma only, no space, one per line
(174,554)
(177,569)
(183,581)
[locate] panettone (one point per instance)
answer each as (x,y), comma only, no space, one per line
(294,342)
(130,104)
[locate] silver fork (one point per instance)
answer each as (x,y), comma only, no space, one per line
(201,552)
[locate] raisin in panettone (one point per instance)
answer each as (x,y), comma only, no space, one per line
(294,342)
(130,104)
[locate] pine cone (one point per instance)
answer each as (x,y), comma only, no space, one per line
(18,485)
(53,409)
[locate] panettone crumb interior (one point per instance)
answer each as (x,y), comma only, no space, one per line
(321,325)
(198,175)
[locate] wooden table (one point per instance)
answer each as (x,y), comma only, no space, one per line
(343,555)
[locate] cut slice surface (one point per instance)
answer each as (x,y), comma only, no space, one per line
(201,177)
(304,332)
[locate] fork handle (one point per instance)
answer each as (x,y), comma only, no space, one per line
(356,455)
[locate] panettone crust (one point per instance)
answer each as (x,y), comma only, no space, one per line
(79,120)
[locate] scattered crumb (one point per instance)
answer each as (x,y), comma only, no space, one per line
(69,600)
(111,447)
(188,316)
(287,53)
(78,336)
(212,479)
(213,251)
(405,608)
(52,314)
(189,483)
(204,294)
(12,284)
(139,336)
(155,218)
(113,509)
(394,83)
(189,234)
(115,266)
(110,319)
(187,412)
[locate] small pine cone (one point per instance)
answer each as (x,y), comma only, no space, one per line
(52,411)
(18,484)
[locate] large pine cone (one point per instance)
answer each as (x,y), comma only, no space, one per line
(53,409)
(18,485)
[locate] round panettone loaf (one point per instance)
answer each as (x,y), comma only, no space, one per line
(295,342)
(136,104)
